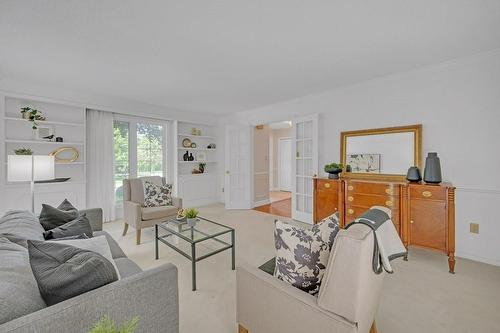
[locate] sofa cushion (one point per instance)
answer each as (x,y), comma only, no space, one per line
(157,195)
(52,217)
(152,213)
(19,294)
(64,271)
(21,224)
(78,226)
(301,256)
(328,229)
(116,250)
(127,267)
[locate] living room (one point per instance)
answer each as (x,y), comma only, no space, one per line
(130,129)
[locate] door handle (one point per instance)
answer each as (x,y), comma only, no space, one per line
(227,172)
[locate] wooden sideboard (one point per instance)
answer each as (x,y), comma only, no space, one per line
(423,214)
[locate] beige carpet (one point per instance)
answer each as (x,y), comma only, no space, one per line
(420,297)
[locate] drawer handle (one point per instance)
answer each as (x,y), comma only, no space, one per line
(350,211)
(388,203)
(411,221)
(349,198)
(427,194)
(350,187)
(327,185)
(389,191)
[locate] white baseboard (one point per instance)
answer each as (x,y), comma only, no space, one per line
(477,258)
(261,203)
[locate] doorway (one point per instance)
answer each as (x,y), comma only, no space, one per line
(273,168)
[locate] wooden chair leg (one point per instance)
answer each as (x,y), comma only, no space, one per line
(138,236)
(125,228)
(373,329)
(241,329)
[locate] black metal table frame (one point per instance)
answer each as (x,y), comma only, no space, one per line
(193,243)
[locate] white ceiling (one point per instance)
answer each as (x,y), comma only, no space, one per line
(231,55)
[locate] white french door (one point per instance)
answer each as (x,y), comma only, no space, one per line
(304,166)
(238,176)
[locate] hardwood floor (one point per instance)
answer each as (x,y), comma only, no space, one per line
(281,208)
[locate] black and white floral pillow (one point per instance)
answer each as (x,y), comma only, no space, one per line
(328,228)
(301,256)
(157,195)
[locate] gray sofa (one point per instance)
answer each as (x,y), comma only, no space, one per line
(152,295)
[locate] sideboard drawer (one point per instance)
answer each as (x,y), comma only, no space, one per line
(352,212)
(327,185)
(367,200)
(372,188)
(428,192)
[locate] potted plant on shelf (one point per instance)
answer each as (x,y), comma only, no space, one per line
(23,151)
(333,170)
(32,115)
(191,215)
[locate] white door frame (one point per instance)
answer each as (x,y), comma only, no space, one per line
(280,187)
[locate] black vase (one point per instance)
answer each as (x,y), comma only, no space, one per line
(413,174)
(185,157)
(432,172)
(191,157)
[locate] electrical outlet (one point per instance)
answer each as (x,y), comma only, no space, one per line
(474,228)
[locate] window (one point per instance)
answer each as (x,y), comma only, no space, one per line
(140,150)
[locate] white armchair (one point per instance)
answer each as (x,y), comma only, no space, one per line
(134,212)
(347,302)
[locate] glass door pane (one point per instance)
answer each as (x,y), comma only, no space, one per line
(122,160)
(149,150)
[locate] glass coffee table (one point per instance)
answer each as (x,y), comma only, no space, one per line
(202,233)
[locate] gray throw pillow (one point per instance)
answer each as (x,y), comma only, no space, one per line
(21,224)
(64,271)
(52,217)
(78,226)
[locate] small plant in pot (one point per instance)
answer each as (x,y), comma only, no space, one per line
(333,170)
(23,151)
(191,215)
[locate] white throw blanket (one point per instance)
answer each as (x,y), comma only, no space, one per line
(388,245)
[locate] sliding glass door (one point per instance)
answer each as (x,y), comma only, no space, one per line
(140,150)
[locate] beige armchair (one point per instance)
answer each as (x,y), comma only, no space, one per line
(347,302)
(134,212)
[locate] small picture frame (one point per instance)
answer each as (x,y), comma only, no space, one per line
(201,156)
(44,133)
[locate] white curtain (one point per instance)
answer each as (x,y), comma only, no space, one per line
(100,156)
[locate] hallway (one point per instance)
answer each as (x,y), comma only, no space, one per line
(281,204)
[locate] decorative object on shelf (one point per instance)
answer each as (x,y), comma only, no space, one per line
(413,174)
(59,139)
(432,171)
(65,155)
(193,145)
(196,171)
(44,133)
(55,180)
(24,168)
(195,131)
(23,151)
(191,157)
(32,115)
(191,215)
(211,146)
(181,215)
(348,168)
(333,170)
(201,156)
(201,167)
(185,157)
(186,143)
(107,325)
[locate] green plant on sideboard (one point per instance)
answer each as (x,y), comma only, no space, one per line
(23,151)
(107,325)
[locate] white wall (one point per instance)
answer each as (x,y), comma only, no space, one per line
(261,165)
(457,102)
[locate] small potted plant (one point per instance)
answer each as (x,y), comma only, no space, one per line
(23,151)
(108,325)
(201,167)
(191,215)
(32,115)
(333,170)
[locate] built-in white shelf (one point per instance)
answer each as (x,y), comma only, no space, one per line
(199,149)
(197,162)
(68,182)
(41,122)
(45,142)
(198,136)
(198,175)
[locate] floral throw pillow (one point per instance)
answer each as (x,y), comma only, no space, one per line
(157,195)
(328,228)
(301,256)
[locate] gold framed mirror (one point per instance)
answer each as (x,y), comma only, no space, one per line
(381,153)
(65,155)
